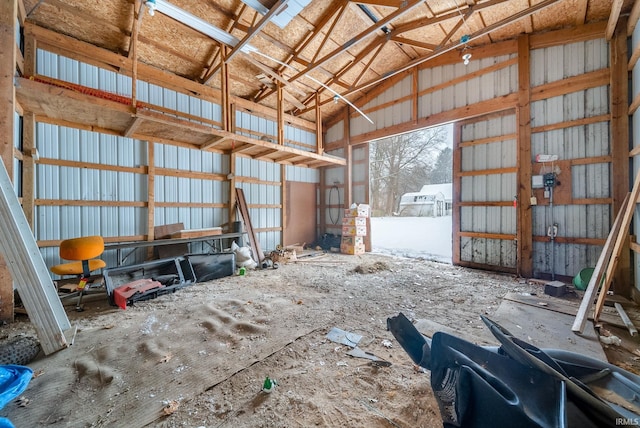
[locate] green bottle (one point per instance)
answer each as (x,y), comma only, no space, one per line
(269,384)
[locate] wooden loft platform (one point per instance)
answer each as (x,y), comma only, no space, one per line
(53,102)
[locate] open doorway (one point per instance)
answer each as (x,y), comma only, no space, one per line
(411,194)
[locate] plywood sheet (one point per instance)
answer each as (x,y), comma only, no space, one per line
(301,221)
(547,329)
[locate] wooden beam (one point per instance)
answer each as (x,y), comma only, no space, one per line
(85,52)
(616,8)
(523,114)
(619,132)
(133,49)
(632,21)
(456,190)
(410,5)
(280,121)
(476,35)
(151,194)
(279,6)
(224,88)
(28,167)
(581,12)
(133,126)
(285,204)
(414,43)
(8,43)
(348,168)
(319,133)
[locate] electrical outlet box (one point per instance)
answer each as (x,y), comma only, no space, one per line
(537,181)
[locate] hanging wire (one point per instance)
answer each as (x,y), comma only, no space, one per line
(331,209)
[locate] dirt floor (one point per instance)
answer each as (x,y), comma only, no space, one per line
(199,357)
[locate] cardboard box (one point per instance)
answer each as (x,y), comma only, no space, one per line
(361,210)
(352,249)
(354,221)
(354,230)
(353,240)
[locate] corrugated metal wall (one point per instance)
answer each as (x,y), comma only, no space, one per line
(444,88)
(582,141)
(259,180)
(491,193)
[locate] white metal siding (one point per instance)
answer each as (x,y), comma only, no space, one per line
(56,142)
(489,188)
(592,140)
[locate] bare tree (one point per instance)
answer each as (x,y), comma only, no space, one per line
(443,168)
(401,164)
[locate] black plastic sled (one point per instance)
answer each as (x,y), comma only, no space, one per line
(517,384)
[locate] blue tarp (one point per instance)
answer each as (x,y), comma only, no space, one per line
(13,381)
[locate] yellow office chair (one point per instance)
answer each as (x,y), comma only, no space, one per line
(83,251)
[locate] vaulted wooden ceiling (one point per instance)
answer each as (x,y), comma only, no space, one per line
(330,46)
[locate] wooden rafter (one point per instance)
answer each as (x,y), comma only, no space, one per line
(415,43)
(426,22)
(375,45)
(482,32)
(311,35)
(581,12)
(367,66)
(616,8)
(275,9)
(455,28)
(386,3)
(273,74)
(359,38)
(328,33)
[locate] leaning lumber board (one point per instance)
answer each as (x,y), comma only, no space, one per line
(244,211)
(29,272)
(623,235)
(596,278)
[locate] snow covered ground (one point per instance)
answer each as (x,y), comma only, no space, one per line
(426,237)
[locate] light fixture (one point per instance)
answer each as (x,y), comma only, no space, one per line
(336,98)
(465,58)
(151,6)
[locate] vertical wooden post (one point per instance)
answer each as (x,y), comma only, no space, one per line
(224,89)
(457,186)
(29,137)
(524,217)
(283,203)
(280,107)
(319,128)
(619,83)
(133,52)
(28,166)
(348,168)
(8,43)
(151,194)
(367,240)
(232,170)
(322,202)
(414,95)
